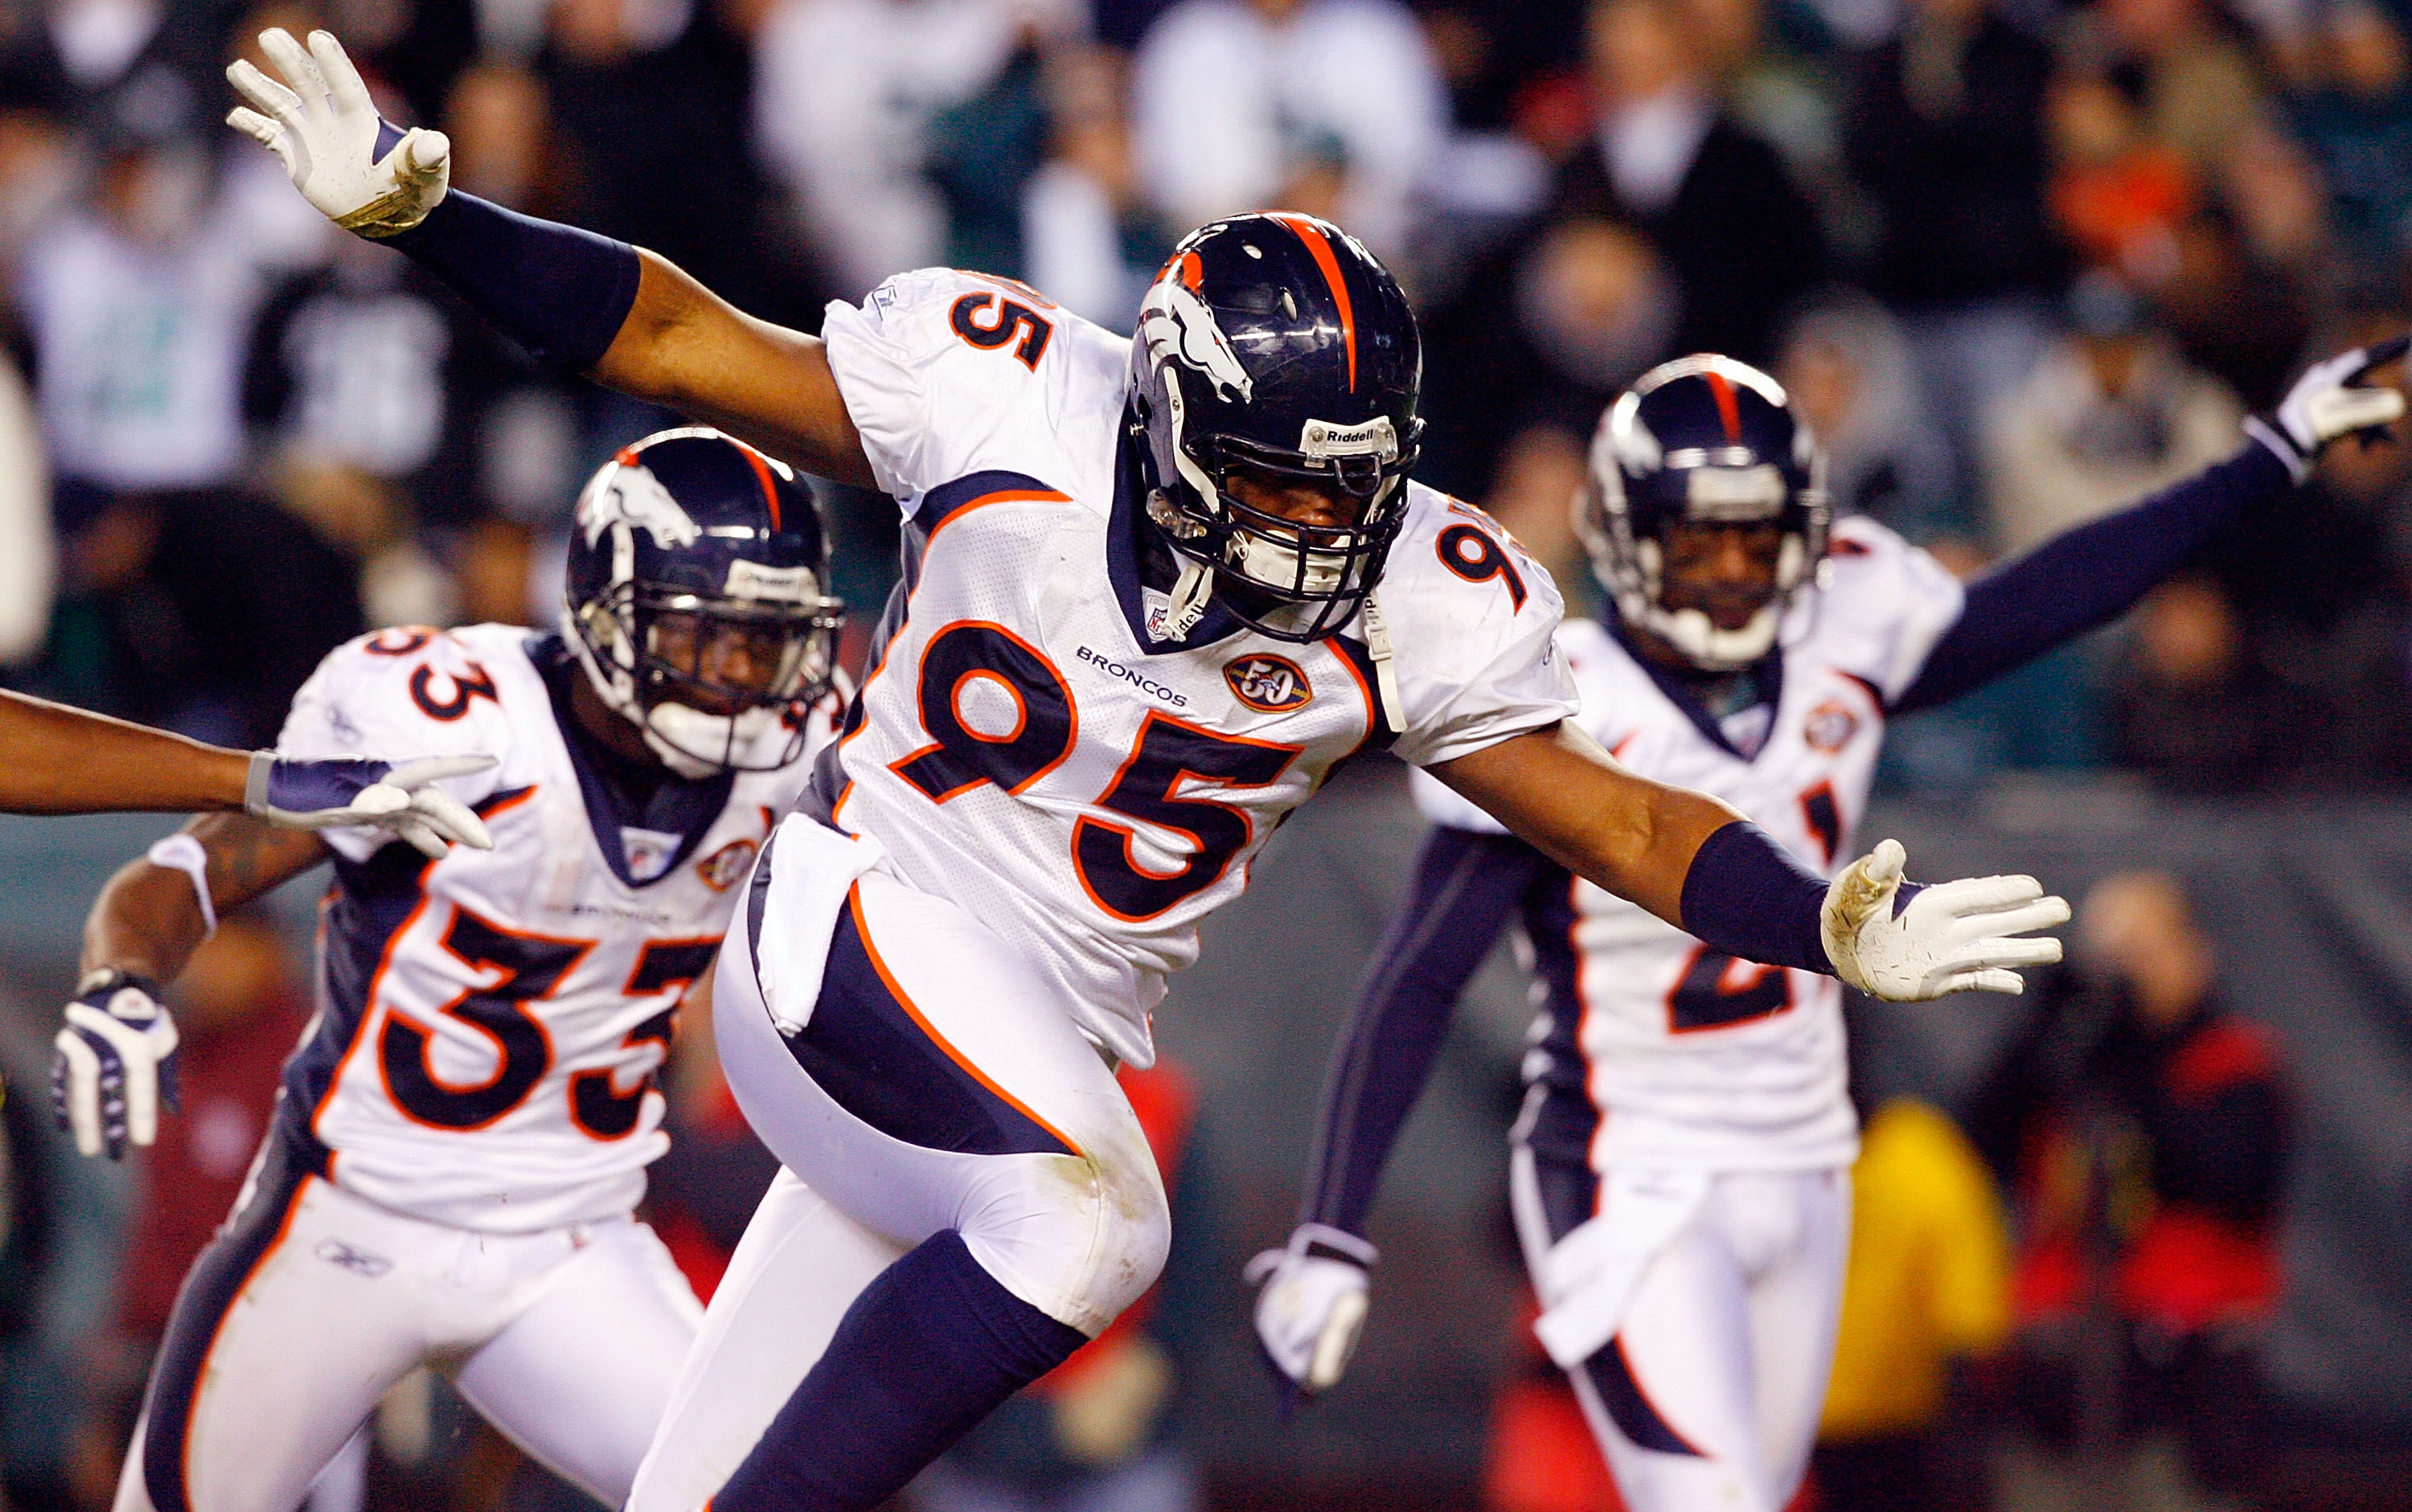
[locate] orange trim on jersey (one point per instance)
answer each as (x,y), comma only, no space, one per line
(193,1412)
(1319,247)
(896,991)
(368,1011)
(514,801)
(1372,709)
(770,489)
(1000,496)
(1728,413)
(502,1053)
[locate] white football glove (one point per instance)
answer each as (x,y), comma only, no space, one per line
(1951,937)
(2326,403)
(1314,1303)
(345,792)
(327,132)
(115,1064)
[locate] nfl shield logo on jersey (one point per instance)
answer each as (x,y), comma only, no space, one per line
(649,852)
(1266,683)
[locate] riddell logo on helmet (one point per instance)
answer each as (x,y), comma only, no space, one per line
(1268,685)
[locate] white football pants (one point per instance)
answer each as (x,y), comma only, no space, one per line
(311,1303)
(936,1085)
(1708,1396)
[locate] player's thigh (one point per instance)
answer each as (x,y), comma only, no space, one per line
(580,1379)
(290,1326)
(1796,1303)
(939,1084)
(799,1268)
(1675,1384)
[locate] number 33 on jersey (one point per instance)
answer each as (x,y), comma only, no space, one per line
(523,995)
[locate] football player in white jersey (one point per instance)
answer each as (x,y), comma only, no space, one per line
(463,1130)
(1157,589)
(1680,1174)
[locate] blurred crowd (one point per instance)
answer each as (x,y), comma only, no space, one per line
(2021,264)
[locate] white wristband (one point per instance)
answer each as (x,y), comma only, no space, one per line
(184,854)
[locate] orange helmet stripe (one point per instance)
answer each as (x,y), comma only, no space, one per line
(1319,247)
(1727,411)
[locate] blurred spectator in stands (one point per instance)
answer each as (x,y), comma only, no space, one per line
(1091,241)
(2199,83)
(844,92)
(368,383)
(2143,1125)
(1847,366)
(2185,704)
(2322,591)
(649,101)
(1095,1433)
(2357,119)
(1945,135)
(1585,306)
(2251,269)
(1239,105)
(2116,194)
(1736,236)
(2110,414)
(28,559)
(1926,1294)
(1540,471)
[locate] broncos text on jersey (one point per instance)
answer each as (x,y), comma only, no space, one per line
(1693,1057)
(1031,745)
(488,1024)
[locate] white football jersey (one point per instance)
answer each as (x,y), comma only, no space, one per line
(489,1024)
(1027,747)
(1692,1056)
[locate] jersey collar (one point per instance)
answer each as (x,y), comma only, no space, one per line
(1684,694)
(1132,567)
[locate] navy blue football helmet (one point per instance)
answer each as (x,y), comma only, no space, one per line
(1701,440)
(693,554)
(1276,344)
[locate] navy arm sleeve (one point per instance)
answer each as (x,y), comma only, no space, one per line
(558,291)
(1465,888)
(2088,576)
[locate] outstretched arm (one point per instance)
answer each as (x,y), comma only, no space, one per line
(1701,867)
(2091,575)
(1316,1288)
(577,301)
(55,760)
(1465,888)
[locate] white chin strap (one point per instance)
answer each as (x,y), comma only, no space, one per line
(1709,648)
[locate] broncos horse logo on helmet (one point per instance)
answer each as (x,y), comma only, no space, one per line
(1702,440)
(695,557)
(1275,344)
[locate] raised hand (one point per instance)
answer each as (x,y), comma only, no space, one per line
(2329,402)
(1951,937)
(362,173)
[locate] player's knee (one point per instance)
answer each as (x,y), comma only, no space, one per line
(1077,1237)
